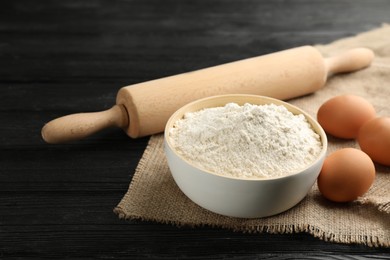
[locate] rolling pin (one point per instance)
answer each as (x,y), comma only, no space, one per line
(143,109)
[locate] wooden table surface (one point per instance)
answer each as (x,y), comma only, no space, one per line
(62,57)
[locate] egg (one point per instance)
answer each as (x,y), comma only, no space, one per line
(342,116)
(374,139)
(346,174)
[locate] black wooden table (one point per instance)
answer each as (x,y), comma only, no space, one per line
(62,57)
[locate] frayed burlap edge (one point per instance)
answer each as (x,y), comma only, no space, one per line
(151,146)
(270,229)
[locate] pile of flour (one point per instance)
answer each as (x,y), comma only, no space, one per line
(249,141)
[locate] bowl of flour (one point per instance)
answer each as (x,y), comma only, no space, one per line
(244,156)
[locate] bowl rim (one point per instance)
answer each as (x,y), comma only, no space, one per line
(228,98)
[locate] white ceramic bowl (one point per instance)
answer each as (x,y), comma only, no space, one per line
(239,197)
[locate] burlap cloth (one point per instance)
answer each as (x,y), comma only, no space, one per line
(154,196)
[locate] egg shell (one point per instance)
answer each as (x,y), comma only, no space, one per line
(342,116)
(346,175)
(374,139)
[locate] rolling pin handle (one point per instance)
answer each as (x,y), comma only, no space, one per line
(351,60)
(78,126)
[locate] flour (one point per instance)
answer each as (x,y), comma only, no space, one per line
(249,141)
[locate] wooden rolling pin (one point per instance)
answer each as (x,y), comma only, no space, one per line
(143,109)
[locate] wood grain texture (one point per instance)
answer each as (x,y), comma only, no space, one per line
(62,57)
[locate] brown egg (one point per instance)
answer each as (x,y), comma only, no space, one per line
(374,139)
(342,116)
(346,174)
